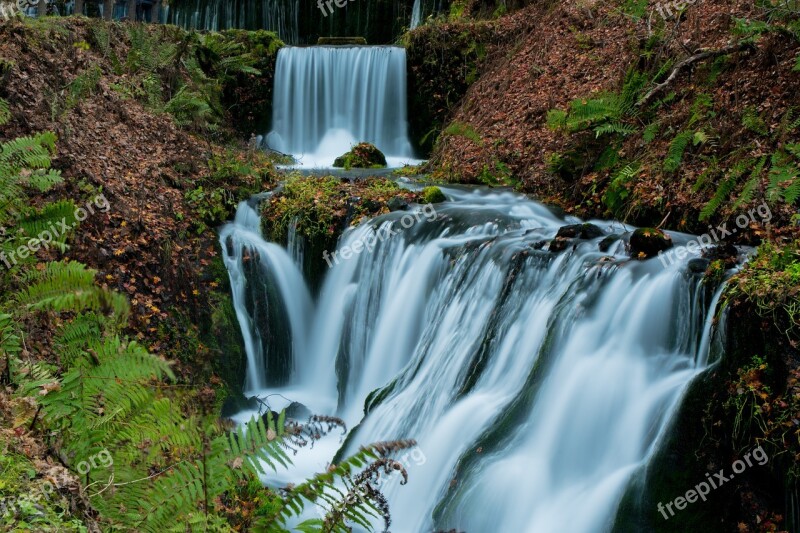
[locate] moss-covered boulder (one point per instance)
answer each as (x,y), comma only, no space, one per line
(647,242)
(320,209)
(433,195)
(362,155)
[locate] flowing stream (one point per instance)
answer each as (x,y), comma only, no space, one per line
(536,384)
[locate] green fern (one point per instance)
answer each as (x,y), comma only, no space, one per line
(5,112)
(784,177)
(615,127)
(63,287)
(650,132)
(753,122)
(725,189)
(752,183)
(676,150)
(617,190)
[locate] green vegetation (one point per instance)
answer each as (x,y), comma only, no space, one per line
(443,59)
(771,283)
(197,78)
(321,208)
(214,202)
(89,391)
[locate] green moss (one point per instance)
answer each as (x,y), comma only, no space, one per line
(771,283)
(362,155)
(433,195)
(321,208)
(30,503)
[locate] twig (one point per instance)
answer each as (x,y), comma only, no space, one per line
(701,55)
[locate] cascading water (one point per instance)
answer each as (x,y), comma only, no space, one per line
(416,14)
(328,98)
(537,384)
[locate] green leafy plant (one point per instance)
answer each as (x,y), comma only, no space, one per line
(676,150)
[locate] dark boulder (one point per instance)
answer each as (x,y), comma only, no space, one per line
(398,203)
(566,234)
(647,242)
(606,244)
(726,252)
(698,265)
(237,403)
(298,411)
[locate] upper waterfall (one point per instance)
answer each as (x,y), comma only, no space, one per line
(328,98)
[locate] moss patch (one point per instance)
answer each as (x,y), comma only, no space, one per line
(433,195)
(362,155)
(321,209)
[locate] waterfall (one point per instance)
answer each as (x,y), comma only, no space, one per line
(416,14)
(536,384)
(328,98)
(280,16)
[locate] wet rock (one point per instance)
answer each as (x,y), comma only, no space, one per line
(433,195)
(580,231)
(726,252)
(298,411)
(566,234)
(647,242)
(398,203)
(237,403)
(606,244)
(698,265)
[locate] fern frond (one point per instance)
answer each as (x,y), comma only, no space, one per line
(722,194)
(676,150)
(749,188)
(615,127)
(5,112)
(70,287)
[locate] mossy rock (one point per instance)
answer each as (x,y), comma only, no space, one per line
(648,242)
(362,155)
(433,195)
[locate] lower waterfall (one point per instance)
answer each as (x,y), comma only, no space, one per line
(536,384)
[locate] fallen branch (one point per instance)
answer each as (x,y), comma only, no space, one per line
(701,55)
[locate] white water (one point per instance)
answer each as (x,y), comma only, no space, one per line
(416,14)
(328,98)
(615,343)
